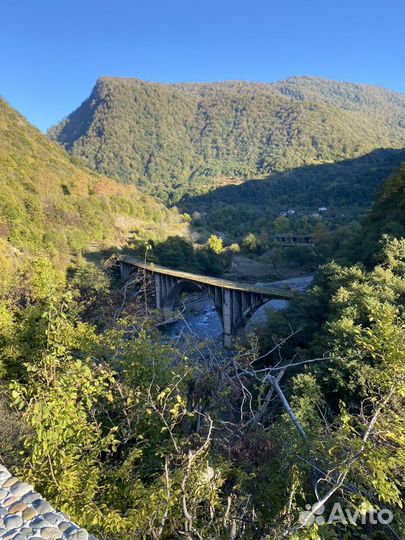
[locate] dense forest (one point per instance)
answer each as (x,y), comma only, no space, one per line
(387,216)
(344,190)
(297,432)
(51,203)
(182,138)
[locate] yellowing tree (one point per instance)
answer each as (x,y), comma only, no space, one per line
(215,244)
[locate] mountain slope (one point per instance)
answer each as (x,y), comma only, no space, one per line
(171,138)
(50,203)
(387,216)
(350,96)
(388,213)
(347,189)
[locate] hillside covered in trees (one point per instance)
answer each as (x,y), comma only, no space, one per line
(51,203)
(387,217)
(134,437)
(172,139)
(345,190)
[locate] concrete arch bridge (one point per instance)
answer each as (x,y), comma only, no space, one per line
(235,302)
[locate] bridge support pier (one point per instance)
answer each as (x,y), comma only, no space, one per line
(126,270)
(227,317)
(158,291)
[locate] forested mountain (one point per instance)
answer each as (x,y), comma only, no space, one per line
(373,100)
(176,138)
(387,217)
(345,189)
(51,203)
(388,213)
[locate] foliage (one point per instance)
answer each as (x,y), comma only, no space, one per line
(135,438)
(97,443)
(180,253)
(118,425)
(52,204)
(345,188)
(174,139)
(350,402)
(386,217)
(252,244)
(215,244)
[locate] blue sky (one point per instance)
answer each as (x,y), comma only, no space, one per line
(52,51)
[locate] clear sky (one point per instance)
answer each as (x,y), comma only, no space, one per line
(52,51)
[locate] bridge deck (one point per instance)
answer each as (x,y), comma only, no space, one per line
(217,282)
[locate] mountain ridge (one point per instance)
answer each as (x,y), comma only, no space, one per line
(161,136)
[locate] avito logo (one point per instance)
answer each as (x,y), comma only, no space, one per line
(338,514)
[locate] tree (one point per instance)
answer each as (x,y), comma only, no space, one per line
(215,244)
(175,252)
(252,244)
(362,441)
(281,224)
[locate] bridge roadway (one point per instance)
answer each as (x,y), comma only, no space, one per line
(235,302)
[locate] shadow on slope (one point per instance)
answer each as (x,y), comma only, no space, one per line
(347,186)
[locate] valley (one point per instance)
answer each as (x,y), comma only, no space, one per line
(135,421)
(246,162)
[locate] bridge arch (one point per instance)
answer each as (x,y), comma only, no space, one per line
(242,306)
(249,312)
(176,290)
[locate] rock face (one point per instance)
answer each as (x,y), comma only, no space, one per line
(25,515)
